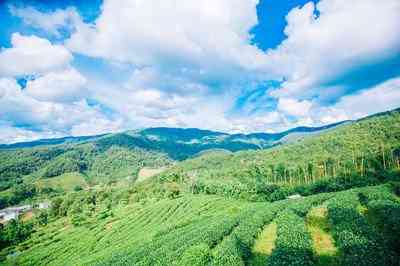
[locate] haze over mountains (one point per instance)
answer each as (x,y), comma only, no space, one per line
(198,139)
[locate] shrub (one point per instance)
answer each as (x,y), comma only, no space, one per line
(293,244)
(356,239)
(197,255)
(228,253)
(387,218)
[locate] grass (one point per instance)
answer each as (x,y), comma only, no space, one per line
(66,181)
(264,245)
(147,172)
(323,243)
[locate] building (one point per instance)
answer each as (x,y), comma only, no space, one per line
(44,205)
(295,196)
(13,212)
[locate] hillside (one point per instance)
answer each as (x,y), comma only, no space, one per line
(115,157)
(180,143)
(331,198)
(363,148)
(209,230)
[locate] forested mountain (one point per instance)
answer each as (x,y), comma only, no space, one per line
(110,157)
(186,142)
(359,148)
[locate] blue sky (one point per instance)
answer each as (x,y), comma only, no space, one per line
(87,67)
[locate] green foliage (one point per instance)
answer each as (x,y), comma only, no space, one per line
(197,255)
(78,188)
(117,163)
(293,244)
(14,232)
(357,240)
(386,216)
(97,227)
(208,210)
(42,218)
(354,155)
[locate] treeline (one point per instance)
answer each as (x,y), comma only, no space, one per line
(14,164)
(362,148)
(295,174)
(18,194)
(14,232)
(258,189)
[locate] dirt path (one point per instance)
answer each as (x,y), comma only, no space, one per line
(264,245)
(323,243)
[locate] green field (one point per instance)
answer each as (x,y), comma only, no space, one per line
(202,230)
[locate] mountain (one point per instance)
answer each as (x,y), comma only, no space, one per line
(111,157)
(52,141)
(181,143)
(361,147)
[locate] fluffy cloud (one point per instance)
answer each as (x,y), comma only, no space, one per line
(191,61)
(385,96)
(52,102)
(293,107)
(19,109)
(10,134)
(203,40)
(49,66)
(331,38)
(64,86)
(32,55)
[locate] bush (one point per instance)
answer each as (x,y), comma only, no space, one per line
(14,232)
(42,218)
(197,255)
(228,252)
(293,244)
(358,242)
(387,218)
(78,188)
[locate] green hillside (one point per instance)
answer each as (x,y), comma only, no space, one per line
(115,157)
(104,228)
(366,148)
(326,199)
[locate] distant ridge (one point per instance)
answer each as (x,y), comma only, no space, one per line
(50,141)
(172,134)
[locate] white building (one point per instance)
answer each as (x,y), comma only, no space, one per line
(13,212)
(44,205)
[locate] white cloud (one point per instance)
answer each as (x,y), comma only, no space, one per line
(19,109)
(63,86)
(10,134)
(52,23)
(383,97)
(294,107)
(53,79)
(342,37)
(32,55)
(191,60)
(201,39)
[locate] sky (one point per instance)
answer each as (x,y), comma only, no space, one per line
(72,67)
